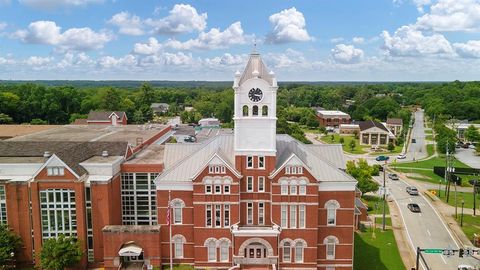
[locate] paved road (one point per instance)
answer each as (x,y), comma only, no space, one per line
(417,150)
(468,157)
(425,229)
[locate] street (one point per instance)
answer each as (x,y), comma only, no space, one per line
(425,229)
(468,157)
(417,150)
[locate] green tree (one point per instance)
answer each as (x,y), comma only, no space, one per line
(5,119)
(332,138)
(9,243)
(341,140)
(472,134)
(352,145)
(390,146)
(362,172)
(38,121)
(58,253)
(138,117)
(75,116)
(147,95)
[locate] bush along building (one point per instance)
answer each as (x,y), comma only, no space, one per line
(248,199)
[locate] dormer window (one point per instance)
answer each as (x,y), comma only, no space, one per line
(55,171)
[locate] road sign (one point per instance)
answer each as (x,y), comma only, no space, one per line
(433,250)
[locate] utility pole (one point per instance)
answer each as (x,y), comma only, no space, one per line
(384,194)
(474,194)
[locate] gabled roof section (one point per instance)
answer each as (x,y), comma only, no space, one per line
(104,115)
(324,162)
(395,121)
(255,64)
(56,161)
(292,160)
(184,163)
(218,158)
(364,125)
(72,153)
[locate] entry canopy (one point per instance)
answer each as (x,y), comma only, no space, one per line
(130,249)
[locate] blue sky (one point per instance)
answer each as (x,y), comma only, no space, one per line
(323,40)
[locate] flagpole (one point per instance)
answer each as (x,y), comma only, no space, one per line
(170,228)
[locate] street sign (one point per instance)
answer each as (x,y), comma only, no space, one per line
(433,250)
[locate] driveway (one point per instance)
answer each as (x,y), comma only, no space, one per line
(468,157)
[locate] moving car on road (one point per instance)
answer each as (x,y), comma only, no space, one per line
(393,176)
(414,207)
(412,190)
(402,156)
(382,158)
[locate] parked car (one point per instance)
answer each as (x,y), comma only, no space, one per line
(402,156)
(382,158)
(414,140)
(465,267)
(190,139)
(471,146)
(466,145)
(414,207)
(393,176)
(412,190)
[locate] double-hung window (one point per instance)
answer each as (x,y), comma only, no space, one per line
(261,162)
(218,215)
(249,162)
(293,216)
(226,215)
(261,184)
(261,213)
(208,215)
(284,216)
(250,183)
(301,216)
(249,213)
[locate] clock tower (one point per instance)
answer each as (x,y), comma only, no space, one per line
(255,109)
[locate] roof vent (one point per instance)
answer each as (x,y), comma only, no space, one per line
(104,153)
(47,154)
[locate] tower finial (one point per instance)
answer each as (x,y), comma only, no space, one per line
(254,46)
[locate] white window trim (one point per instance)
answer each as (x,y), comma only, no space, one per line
(250,220)
(206,187)
(261,209)
(227,253)
(303,253)
(214,247)
(261,180)
(225,207)
(218,209)
(249,166)
(284,209)
(207,208)
(249,180)
(330,257)
(175,215)
(293,216)
(302,216)
(225,191)
(289,253)
(263,162)
(219,189)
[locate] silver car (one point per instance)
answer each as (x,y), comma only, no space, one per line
(412,190)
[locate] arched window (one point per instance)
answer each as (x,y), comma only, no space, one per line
(293,187)
(330,242)
(212,251)
(177,206)
(332,206)
(299,252)
(265,110)
(302,188)
(245,110)
(287,251)
(224,251)
(284,187)
(178,241)
(255,110)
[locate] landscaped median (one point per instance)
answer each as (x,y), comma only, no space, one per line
(346,145)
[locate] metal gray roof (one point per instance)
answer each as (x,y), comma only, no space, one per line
(103,115)
(255,63)
(183,161)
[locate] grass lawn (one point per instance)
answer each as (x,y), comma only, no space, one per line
(347,138)
(467,196)
(430,149)
(428,131)
(371,200)
(430,163)
(429,137)
(471,225)
(379,253)
(309,129)
(398,149)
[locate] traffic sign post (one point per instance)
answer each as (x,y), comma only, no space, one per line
(433,250)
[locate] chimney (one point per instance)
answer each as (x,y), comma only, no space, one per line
(47,154)
(104,153)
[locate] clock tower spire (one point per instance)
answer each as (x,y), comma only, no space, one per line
(255,109)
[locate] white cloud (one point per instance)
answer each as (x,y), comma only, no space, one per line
(149,48)
(226,59)
(127,23)
(471,49)
(358,40)
(47,32)
(182,19)
(346,54)
(7,61)
(213,39)
(291,60)
(3,25)
(408,41)
(4,2)
(38,61)
(336,39)
(420,4)
(452,15)
(110,62)
(53,4)
(288,26)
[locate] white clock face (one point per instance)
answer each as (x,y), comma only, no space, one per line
(255,94)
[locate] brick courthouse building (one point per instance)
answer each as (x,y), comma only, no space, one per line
(248,199)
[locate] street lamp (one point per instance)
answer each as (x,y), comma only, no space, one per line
(461,220)
(439,187)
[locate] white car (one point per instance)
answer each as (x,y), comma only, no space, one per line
(471,146)
(402,156)
(465,267)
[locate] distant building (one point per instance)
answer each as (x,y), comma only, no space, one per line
(461,127)
(113,118)
(374,133)
(349,128)
(160,108)
(332,118)
(209,122)
(395,125)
